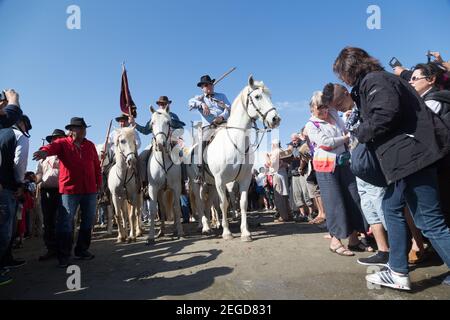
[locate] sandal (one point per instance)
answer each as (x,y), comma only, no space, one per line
(342,251)
(317,220)
(360,247)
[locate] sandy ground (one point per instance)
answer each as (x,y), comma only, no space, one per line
(285,261)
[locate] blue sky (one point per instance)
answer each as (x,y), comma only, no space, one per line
(168,45)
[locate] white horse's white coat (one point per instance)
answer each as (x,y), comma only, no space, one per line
(229,165)
(164,175)
(123,184)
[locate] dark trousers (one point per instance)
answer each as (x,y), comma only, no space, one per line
(341,201)
(50,203)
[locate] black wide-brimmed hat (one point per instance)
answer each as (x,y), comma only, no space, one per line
(26,121)
(77,122)
(123,117)
(163,100)
(57,133)
(205,80)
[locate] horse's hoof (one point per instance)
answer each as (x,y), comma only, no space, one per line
(207,232)
(160,234)
(227,237)
(120,240)
(246,238)
(129,240)
(150,242)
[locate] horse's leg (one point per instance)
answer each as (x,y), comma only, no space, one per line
(109,228)
(245,234)
(132,222)
(202,199)
(152,207)
(177,213)
(118,210)
(221,190)
(138,214)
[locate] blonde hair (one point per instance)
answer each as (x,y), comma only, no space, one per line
(316,100)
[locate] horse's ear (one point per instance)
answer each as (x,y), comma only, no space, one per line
(251,82)
(152,110)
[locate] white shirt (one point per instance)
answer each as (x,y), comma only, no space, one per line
(260,180)
(49,169)
(21,156)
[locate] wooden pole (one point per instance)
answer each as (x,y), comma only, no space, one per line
(225,75)
(106,144)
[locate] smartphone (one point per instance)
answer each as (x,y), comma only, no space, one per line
(395,63)
(2,96)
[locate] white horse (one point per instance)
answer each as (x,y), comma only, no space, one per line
(229,157)
(164,174)
(123,184)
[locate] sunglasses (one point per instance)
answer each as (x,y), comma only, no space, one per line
(414,79)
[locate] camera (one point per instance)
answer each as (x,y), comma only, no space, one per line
(395,63)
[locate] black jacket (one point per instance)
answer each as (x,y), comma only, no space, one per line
(403,131)
(443,96)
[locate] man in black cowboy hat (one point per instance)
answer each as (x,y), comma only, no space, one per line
(47,178)
(214,109)
(124,122)
(80,179)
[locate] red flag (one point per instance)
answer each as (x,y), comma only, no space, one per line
(126,102)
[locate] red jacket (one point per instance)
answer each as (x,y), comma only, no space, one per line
(79,171)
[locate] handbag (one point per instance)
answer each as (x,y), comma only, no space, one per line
(365,165)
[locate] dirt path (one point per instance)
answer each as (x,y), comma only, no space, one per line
(289,261)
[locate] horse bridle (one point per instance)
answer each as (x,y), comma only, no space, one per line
(126,180)
(167,142)
(262,115)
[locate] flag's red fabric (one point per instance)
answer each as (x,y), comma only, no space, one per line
(126,102)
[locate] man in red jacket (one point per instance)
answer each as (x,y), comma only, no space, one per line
(79,181)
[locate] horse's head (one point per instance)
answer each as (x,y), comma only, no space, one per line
(259,104)
(125,143)
(161,128)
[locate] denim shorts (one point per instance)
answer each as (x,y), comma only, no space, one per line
(371,202)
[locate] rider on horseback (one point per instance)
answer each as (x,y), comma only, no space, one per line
(176,126)
(214,109)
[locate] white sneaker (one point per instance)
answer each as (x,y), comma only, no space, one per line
(390,279)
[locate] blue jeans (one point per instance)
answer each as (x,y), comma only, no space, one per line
(70,203)
(8,206)
(420,192)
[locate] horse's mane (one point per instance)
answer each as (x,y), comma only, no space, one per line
(162,112)
(256,85)
(261,85)
(127,133)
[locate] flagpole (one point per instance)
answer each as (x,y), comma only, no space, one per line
(126,91)
(106,144)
